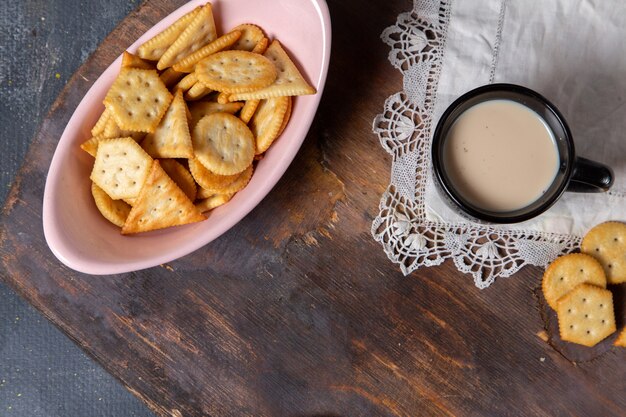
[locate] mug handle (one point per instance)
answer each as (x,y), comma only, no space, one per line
(590,177)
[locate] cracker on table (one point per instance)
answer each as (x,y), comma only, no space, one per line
(236,71)
(569,271)
(289,81)
(160,204)
(154,48)
(133,61)
(188,63)
(223,143)
(115,211)
(138,99)
(607,243)
(586,315)
(209,182)
(121,167)
(213,202)
(181,177)
(199,109)
(267,121)
(200,32)
(172,138)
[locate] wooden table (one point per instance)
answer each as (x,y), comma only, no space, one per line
(296,311)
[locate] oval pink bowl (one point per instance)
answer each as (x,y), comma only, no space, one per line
(74,229)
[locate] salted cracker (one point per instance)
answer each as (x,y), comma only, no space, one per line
(289,81)
(138,99)
(121,167)
(607,243)
(91,145)
(236,72)
(187,82)
(177,172)
(154,48)
(160,204)
(115,211)
(223,143)
(586,315)
(267,121)
(248,110)
(197,91)
(172,138)
(188,63)
(251,35)
(199,33)
(569,271)
(287,117)
(133,61)
(208,180)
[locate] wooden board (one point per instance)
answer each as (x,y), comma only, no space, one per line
(297,311)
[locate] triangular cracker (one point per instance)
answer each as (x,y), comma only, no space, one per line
(156,47)
(133,61)
(200,32)
(161,203)
(171,138)
(288,83)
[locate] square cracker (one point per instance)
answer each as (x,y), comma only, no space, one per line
(160,204)
(288,83)
(121,167)
(172,138)
(586,315)
(154,48)
(138,99)
(200,32)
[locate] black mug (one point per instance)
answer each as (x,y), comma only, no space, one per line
(574,173)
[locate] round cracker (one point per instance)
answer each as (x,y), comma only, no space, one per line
(209,181)
(115,211)
(240,183)
(607,243)
(569,271)
(212,202)
(223,144)
(236,72)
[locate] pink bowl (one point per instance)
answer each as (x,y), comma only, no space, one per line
(74,229)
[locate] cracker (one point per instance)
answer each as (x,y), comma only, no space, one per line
(172,138)
(209,181)
(287,117)
(569,271)
(607,243)
(121,167)
(154,48)
(251,35)
(187,82)
(236,72)
(197,92)
(240,183)
(621,339)
(289,81)
(267,121)
(112,131)
(170,77)
(586,315)
(91,146)
(115,211)
(199,109)
(204,193)
(133,61)
(261,46)
(181,177)
(138,99)
(223,143)
(212,202)
(160,204)
(188,63)
(200,32)
(248,110)
(98,128)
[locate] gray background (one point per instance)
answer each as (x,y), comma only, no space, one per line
(42,43)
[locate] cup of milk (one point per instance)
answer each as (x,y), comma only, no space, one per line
(502,153)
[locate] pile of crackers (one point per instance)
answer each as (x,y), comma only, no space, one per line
(185,121)
(575,286)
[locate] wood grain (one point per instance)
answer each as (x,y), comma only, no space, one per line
(296,311)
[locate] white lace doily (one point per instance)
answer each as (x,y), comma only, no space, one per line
(411,230)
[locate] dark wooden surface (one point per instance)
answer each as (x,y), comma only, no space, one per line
(297,311)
